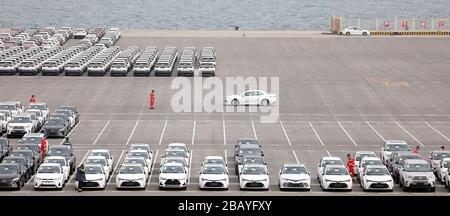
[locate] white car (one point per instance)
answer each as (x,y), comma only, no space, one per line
(131,176)
(365,162)
(95,177)
(207,69)
(79,33)
(447,181)
(417,173)
(173,175)
(40,106)
(3,123)
(436,157)
(175,160)
(393,146)
(355,31)
(62,162)
(249,160)
(35,138)
(359,155)
(325,161)
(254,176)
(336,177)
(252,97)
(176,153)
(40,116)
(442,169)
(376,177)
(68,113)
(294,176)
(49,175)
(216,160)
(101,160)
(213,176)
(141,146)
(181,146)
(105,153)
(20,125)
(141,153)
(138,160)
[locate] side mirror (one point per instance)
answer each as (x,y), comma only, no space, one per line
(382,149)
(199,172)
(265,163)
(262,154)
(268,173)
(236,154)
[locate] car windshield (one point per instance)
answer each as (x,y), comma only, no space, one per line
(7,107)
(175,160)
(250,152)
(248,141)
(336,171)
(253,160)
(175,154)
(136,147)
(58,161)
(36,106)
(213,170)
(104,154)
(21,120)
(58,152)
(137,161)
(439,155)
(131,170)
(359,157)
(178,147)
(8,170)
(294,170)
(364,163)
(418,168)
(66,112)
(54,122)
(139,154)
(48,169)
(14,160)
(214,161)
(172,169)
(254,171)
(397,147)
(93,170)
(377,172)
(401,160)
(32,140)
(96,161)
(332,162)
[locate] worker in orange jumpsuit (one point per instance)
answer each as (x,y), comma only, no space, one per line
(416,150)
(152,99)
(44,147)
(351,165)
(32,99)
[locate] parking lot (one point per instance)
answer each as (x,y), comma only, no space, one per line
(337,96)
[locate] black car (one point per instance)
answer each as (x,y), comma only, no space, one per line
(63,116)
(11,176)
(22,161)
(6,147)
(74,111)
(55,127)
(64,151)
(29,155)
(33,147)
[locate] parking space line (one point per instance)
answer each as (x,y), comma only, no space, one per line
(285,133)
(295,156)
(375,131)
(226,155)
(101,132)
(224,133)
(190,166)
(254,130)
(132,132)
(193,132)
(81,162)
(115,167)
(162,133)
(318,137)
(153,166)
(407,132)
(348,135)
(62,141)
(435,130)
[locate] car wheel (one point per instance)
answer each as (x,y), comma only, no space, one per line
(405,188)
(364,33)
(160,188)
(265,102)
(234,102)
(433,189)
(347,33)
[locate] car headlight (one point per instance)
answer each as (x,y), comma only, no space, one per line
(328,180)
(430,177)
(121,179)
(246,179)
(162,179)
(99,179)
(61,130)
(409,177)
(15,179)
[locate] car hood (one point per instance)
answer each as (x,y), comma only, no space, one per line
(91,177)
(131,176)
(419,173)
(49,175)
(378,178)
(8,176)
(338,177)
(20,124)
(295,176)
(255,177)
(52,126)
(214,177)
(173,175)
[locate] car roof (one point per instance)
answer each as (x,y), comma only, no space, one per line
(55,157)
(177,144)
(370,158)
(135,158)
(439,151)
(173,164)
(34,135)
(50,164)
(294,165)
(376,166)
(254,165)
(335,166)
(416,161)
(96,157)
(331,158)
(364,152)
(214,157)
(396,142)
(100,150)
(131,164)
(9,164)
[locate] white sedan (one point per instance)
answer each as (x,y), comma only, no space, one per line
(336,177)
(95,177)
(442,169)
(131,176)
(213,176)
(355,31)
(294,176)
(252,97)
(49,175)
(254,176)
(62,162)
(376,177)
(173,175)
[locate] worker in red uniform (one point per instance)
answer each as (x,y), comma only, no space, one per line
(44,147)
(32,99)
(152,99)
(416,150)
(351,165)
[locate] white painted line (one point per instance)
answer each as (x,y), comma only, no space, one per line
(295,156)
(375,131)
(193,132)
(62,141)
(81,162)
(329,155)
(348,135)
(254,130)
(226,156)
(132,132)
(162,133)
(315,132)
(190,166)
(224,133)
(153,166)
(115,167)
(407,132)
(103,130)
(285,133)
(435,130)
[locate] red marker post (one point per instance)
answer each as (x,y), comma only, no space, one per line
(405,24)
(441,24)
(423,24)
(386,24)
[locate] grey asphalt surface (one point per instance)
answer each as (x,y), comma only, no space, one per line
(337,95)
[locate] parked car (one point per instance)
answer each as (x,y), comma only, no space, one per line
(376,177)
(417,174)
(49,175)
(355,31)
(294,176)
(251,97)
(11,176)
